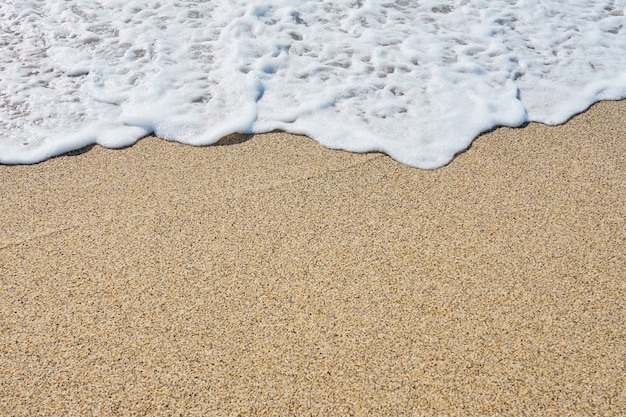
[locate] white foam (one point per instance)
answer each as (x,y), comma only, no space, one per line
(416,79)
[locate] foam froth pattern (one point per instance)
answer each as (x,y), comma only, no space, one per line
(418,80)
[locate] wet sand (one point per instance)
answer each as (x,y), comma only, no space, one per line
(272,276)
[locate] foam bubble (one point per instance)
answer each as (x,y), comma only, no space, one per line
(418,80)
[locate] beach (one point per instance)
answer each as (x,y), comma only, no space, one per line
(268,275)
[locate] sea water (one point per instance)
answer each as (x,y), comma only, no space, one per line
(415,79)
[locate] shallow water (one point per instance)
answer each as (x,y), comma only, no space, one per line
(416,79)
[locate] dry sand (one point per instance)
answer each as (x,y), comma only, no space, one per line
(272,276)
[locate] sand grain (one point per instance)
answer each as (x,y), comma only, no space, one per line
(272,276)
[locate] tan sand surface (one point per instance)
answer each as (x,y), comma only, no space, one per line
(272,276)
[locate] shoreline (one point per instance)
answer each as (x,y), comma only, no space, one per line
(275,276)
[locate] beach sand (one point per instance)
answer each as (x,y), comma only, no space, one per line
(272,276)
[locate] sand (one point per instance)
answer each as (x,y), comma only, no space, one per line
(272,276)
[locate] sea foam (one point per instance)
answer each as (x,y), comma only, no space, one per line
(416,79)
